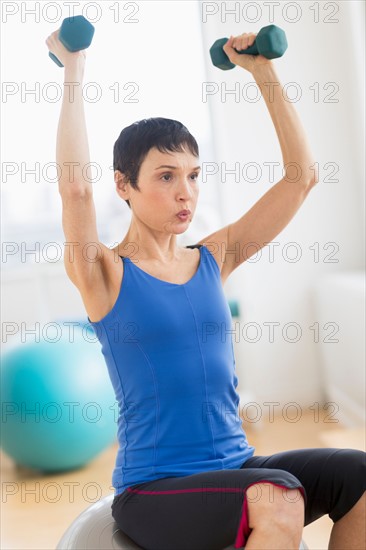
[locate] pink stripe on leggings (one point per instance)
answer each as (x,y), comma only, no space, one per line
(244,530)
(230,489)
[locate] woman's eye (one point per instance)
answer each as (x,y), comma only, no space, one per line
(168,177)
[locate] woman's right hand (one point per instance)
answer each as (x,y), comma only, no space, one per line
(67,58)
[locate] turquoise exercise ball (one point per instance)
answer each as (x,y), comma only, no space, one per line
(58,404)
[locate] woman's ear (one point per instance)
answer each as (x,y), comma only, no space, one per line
(121,182)
(119,177)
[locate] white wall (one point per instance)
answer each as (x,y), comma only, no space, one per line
(329,228)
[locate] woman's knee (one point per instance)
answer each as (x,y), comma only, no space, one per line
(347,469)
(270,506)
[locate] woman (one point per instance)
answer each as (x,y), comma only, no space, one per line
(185,475)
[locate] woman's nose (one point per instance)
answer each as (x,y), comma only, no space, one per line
(184,188)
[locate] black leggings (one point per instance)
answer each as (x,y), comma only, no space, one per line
(208,510)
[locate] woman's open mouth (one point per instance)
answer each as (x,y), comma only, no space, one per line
(184,215)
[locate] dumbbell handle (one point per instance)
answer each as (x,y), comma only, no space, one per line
(252,50)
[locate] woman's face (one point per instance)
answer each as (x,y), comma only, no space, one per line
(168,183)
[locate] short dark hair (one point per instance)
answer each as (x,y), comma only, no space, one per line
(136,140)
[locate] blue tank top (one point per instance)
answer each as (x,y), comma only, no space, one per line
(170,358)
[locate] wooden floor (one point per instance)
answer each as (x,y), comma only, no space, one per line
(36,510)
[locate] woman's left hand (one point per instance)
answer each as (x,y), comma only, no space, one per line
(246,61)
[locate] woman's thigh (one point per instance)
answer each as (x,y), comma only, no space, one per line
(203,511)
(334,479)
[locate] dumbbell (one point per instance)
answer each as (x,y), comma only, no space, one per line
(76,33)
(270,42)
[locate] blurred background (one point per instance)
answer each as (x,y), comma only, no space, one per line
(299,315)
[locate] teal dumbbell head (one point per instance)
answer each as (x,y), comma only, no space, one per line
(271,42)
(76,33)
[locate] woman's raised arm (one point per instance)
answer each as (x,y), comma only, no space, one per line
(275,209)
(83,250)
